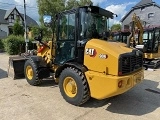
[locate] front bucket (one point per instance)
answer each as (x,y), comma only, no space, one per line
(16,67)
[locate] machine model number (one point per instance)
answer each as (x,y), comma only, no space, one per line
(103,56)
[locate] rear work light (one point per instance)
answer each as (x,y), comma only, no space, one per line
(119,73)
(120,84)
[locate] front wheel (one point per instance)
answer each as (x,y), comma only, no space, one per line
(31,73)
(73,86)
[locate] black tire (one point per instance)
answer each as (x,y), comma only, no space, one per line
(34,80)
(82,94)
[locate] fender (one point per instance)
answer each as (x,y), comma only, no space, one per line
(38,60)
(35,58)
(70,64)
(43,70)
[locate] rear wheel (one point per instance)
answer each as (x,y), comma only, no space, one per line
(73,86)
(31,73)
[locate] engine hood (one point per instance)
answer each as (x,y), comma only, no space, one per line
(103,56)
(115,48)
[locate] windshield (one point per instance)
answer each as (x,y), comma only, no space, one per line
(92,25)
(147,36)
(116,37)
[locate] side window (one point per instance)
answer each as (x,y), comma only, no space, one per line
(71,26)
(66,39)
(157,36)
(150,35)
(67,27)
(150,15)
(125,39)
(63,27)
(145,35)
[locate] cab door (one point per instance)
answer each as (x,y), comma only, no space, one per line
(65,50)
(156,40)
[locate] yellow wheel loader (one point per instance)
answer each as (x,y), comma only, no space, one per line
(81,60)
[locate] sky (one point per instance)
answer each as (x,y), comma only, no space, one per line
(119,7)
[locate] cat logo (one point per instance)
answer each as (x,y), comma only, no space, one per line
(91,52)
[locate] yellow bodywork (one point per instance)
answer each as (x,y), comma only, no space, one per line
(103,86)
(111,49)
(102,75)
(153,55)
(46,53)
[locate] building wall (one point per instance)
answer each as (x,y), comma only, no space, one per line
(144,16)
(2,34)
(13,16)
(4,27)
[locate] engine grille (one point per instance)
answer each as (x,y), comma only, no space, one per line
(130,62)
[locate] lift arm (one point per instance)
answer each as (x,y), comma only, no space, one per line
(137,23)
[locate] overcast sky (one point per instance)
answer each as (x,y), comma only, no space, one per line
(119,7)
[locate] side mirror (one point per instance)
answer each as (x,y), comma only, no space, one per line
(116,15)
(47,19)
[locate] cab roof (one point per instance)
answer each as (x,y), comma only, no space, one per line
(94,9)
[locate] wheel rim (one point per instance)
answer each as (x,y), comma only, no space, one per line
(29,72)
(70,87)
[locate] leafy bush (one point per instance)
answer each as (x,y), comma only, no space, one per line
(12,44)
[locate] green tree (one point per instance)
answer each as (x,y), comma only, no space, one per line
(71,4)
(47,32)
(18,28)
(116,27)
(76,3)
(50,7)
(34,31)
(85,2)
